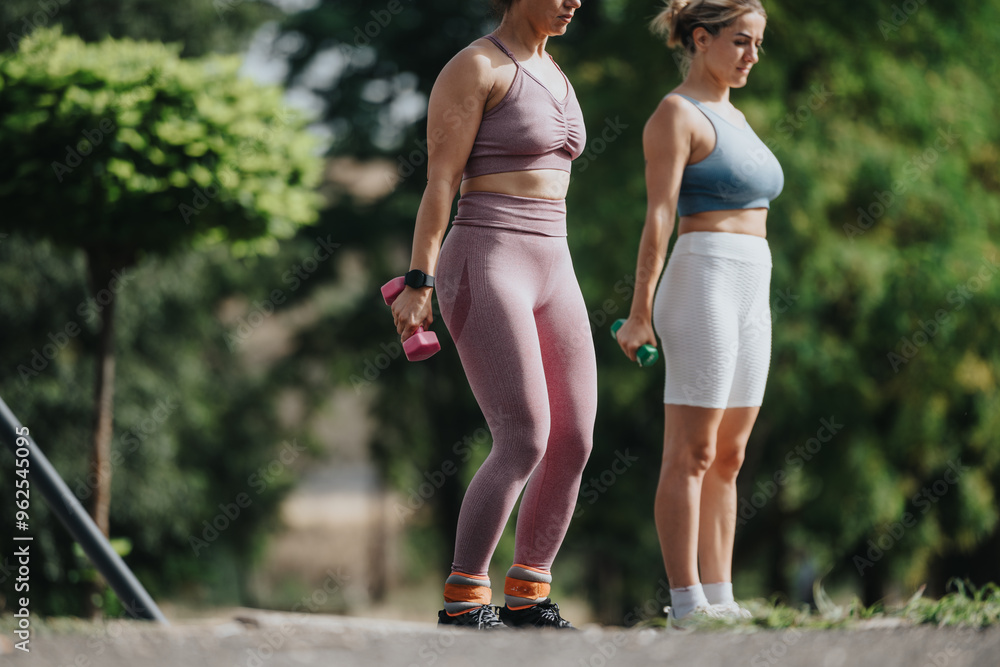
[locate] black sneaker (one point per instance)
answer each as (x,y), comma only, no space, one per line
(480,618)
(544,614)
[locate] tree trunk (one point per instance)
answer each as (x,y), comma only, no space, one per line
(872,587)
(104,387)
(102,291)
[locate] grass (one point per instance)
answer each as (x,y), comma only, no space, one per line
(965,606)
(978,610)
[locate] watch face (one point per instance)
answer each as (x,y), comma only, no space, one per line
(416,278)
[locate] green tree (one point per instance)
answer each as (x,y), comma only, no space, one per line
(123,150)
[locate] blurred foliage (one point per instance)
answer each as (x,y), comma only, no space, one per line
(200,26)
(883,297)
(194,425)
(123,152)
(851,441)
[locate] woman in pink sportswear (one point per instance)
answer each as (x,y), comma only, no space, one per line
(503,127)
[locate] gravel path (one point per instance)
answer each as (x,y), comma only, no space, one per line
(254,638)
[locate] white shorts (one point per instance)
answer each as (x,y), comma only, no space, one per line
(713,316)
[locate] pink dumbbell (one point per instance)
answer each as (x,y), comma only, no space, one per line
(420,345)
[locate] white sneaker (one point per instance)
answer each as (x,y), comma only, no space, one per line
(694,616)
(733,610)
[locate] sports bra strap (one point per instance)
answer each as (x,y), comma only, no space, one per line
(500,45)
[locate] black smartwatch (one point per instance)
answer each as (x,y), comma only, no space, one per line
(417,278)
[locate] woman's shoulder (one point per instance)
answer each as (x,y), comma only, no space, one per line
(679,101)
(475,65)
(481,54)
(675,111)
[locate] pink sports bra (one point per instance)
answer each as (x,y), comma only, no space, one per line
(528,129)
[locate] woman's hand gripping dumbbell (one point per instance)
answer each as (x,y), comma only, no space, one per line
(420,345)
(646,355)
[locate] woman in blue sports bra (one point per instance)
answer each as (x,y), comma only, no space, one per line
(711,311)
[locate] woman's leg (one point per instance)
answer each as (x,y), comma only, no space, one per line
(689,449)
(717,522)
(567,348)
(711,283)
(487,290)
(718,500)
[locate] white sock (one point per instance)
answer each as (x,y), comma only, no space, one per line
(721,593)
(685,600)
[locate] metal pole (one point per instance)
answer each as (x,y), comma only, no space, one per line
(64,504)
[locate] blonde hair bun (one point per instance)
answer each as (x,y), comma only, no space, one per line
(677,20)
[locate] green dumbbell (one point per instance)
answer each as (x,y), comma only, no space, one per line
(646,355)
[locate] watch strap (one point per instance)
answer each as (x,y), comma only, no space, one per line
(417,278)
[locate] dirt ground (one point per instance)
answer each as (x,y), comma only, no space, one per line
(254,638)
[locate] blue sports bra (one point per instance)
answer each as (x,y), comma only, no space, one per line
(740,172)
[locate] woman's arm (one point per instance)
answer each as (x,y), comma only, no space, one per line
(666,142)
(454,112)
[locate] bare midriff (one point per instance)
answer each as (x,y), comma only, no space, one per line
(534,183)
(752,221)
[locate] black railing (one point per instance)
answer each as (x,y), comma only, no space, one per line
(44,477)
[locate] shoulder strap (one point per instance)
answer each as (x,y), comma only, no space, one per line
(690,99)
(705,109)
(709,113)
(501,46)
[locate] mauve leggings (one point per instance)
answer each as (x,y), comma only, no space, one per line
(512,303)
